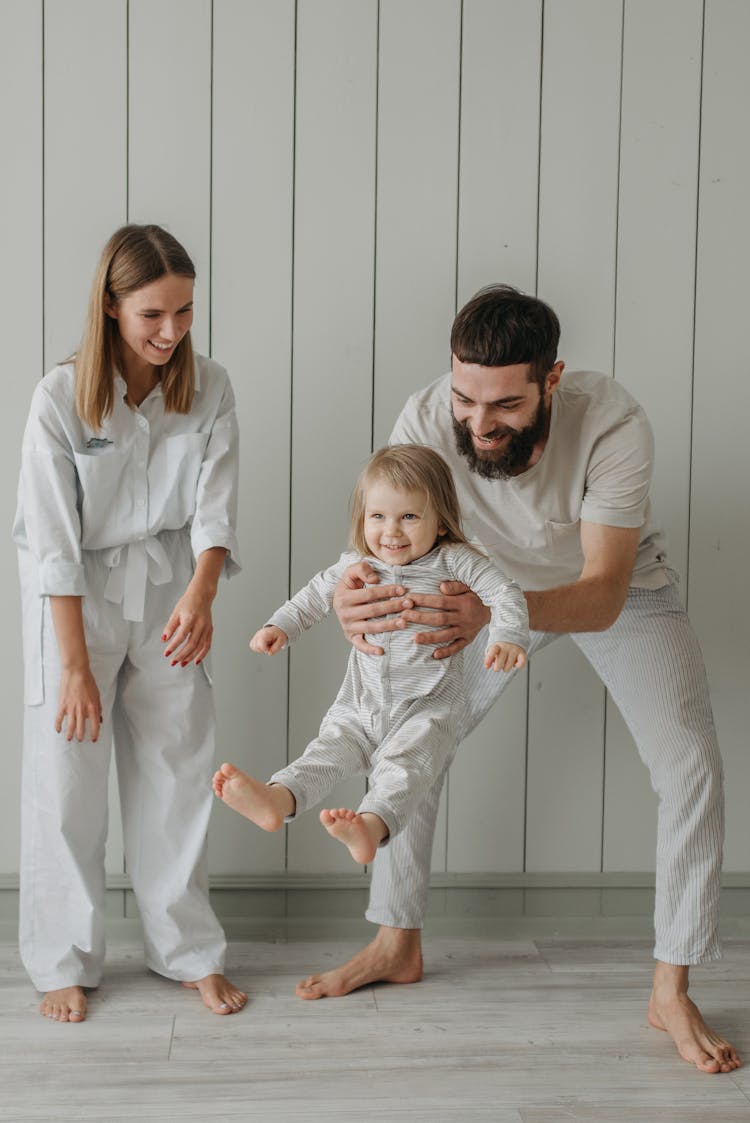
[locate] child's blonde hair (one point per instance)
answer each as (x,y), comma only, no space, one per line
(133,257)
(409,468)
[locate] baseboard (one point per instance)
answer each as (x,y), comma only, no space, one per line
(277,906)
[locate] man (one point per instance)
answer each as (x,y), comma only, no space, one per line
(553,478)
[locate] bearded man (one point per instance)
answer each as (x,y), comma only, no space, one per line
(553,475)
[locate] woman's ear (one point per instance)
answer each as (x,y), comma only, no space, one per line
(110,307)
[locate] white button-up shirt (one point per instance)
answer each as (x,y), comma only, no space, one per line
(116,489)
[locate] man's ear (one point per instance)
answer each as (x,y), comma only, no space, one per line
(552,381)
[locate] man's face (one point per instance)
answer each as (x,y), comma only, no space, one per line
(500,418)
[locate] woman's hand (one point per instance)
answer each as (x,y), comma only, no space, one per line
(79,703)
(189,630)
(79,700)
(361,605)
(455,617)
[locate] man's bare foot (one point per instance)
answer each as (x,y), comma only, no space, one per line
(218,994)
(66,1005)
(266,805)
(670,1009)
(394,956)
(360,834)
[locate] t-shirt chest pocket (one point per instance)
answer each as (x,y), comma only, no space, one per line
(564,540)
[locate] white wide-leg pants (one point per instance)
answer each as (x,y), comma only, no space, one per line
(651,663)
(161,719)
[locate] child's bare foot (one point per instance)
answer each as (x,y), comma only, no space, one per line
(265,805)
(361,834)
(65,1005)
(218,994)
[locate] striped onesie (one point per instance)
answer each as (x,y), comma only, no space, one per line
(398,716)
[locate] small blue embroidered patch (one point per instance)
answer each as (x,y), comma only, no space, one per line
(98,442)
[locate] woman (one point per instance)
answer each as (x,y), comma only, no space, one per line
(126,514)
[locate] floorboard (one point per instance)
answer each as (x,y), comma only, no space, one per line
(514,1031)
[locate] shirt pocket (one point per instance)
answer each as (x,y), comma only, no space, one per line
(564,542)
(102,473)
(185,453)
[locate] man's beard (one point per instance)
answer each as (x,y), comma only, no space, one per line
(499,464)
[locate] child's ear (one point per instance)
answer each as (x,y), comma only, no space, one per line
(441,531)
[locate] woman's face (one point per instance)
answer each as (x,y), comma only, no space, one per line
(153,319)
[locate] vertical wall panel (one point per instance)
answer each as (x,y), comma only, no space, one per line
(251,305)
(170,130)
(577,241)
(654,330)
(85,151)
(415,292)
(500,68)
(85,182)
(21,317)
(720,509)
(578,175)
(418,96)
(333,325)
(500,74)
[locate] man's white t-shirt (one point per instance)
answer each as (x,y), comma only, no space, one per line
(596,466)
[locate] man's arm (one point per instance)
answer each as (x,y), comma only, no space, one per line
(592,603)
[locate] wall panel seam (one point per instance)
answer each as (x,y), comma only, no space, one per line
(686,579)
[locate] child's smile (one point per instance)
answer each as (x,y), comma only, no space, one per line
(400,526)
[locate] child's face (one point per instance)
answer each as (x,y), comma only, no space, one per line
(400,526)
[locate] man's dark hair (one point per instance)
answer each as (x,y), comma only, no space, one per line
(501,326)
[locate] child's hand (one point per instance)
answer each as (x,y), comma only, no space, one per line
(269,640)
(505,657)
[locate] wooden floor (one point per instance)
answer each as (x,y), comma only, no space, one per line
(523,1031)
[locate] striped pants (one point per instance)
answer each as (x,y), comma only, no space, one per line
(651,663)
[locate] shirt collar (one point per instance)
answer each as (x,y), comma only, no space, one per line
(122,388)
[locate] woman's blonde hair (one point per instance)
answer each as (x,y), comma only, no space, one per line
(133,257)
(409,468)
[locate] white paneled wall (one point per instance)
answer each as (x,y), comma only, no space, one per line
(344,173)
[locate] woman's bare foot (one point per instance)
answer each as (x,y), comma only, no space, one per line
(66,1005)
(670,1009)
(394,956)
(266,805)
(360,834)
(218,994)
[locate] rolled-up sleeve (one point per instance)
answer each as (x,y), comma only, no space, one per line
(215,520)
(49,497)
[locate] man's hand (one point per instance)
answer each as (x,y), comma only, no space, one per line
(361,605)
(455,616)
